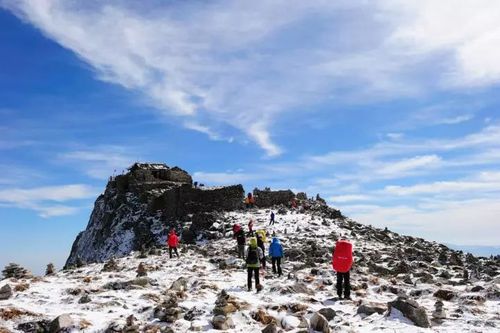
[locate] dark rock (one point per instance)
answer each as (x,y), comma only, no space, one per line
(319,323)
(84,299)
(271,328)
(267,198)
(411,310)
(475,289)
(193,313)
(370,308)
(63,323)
(41,326)
(444,294)
(328,313)
(143,202)
(5,292)
(221,322)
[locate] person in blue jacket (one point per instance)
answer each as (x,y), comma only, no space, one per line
(276,253)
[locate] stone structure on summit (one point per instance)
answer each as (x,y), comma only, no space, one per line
(138,208)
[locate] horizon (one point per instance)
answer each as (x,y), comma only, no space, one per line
(388,110)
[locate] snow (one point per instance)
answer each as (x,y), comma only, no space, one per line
(49,297)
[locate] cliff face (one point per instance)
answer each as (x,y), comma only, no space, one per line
(137,210)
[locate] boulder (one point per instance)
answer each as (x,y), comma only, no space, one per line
(34,326)
(179,285)
(289,322)
(328,313)
(5,292)
(444,294)
(271,328)
(63,323)
(319,323)
(221,322)
(370,308)
(411,310)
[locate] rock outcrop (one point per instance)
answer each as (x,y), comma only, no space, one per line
(137,209)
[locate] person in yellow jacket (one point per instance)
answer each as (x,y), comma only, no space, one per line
(254,256)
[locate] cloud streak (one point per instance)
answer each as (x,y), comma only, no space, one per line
(222,66)
(46,201)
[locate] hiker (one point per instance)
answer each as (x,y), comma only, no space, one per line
(342,263)
(240,239)
(260,244)
(236,228)
(250,227)
(172,242)
(276,253)
(249,200)
(254,256)
(271,222)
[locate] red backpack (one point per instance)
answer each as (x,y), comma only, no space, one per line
(342,256)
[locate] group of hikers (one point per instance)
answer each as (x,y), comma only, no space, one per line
(255,255)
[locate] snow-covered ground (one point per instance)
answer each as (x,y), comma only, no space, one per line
(51,296)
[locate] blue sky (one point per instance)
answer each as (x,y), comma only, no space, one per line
(388,109)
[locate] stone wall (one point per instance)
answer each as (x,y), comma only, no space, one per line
(268,198)
(185,199)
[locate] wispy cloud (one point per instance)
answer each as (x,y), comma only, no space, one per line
(100,162)
(238,66)
(46,201)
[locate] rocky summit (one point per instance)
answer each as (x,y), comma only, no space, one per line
(119,277)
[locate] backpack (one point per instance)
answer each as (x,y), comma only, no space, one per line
(342,256)
(253,256)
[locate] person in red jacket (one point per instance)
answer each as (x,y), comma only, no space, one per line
(172,243)
(342,263)
(250,227)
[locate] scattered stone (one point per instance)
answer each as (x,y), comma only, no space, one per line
(370,308)
(289,322)
(328,313)
(221,322)
(168,311)
(84,299)
(411,310)
(141,270)
(111,265)
(5,292)
(193,313)
(63,323)
(179,285)
(319,323)
(20,287)
(271,328)
(262,316)
(50,270)
(476,289)
(444,294)
(196,326)
(34,326)
(438,312)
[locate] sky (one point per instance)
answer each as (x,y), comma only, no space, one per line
(388,109)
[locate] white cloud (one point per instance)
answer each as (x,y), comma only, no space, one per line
(242,65)
(100,162)
(484,182)
(349,198)
(45,200)
(397,168)
(224,178)
(467,222)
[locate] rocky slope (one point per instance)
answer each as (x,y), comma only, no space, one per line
(138,208)
(400,284)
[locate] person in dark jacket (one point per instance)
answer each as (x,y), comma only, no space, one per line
(260,244)
(254,256)
(240,239)
(271,221)
(276,253)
